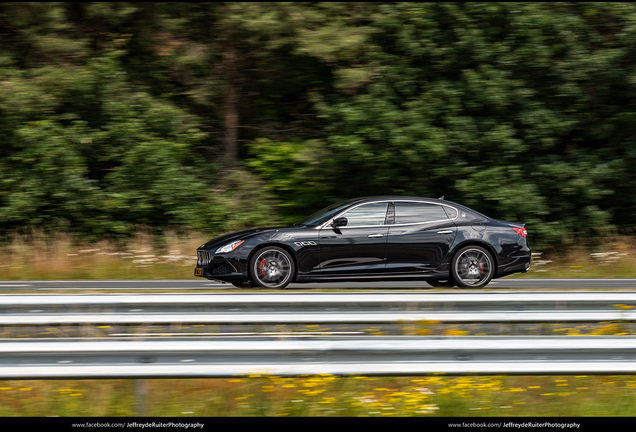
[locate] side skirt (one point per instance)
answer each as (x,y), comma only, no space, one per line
(442,275)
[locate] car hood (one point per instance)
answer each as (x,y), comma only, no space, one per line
(240,235)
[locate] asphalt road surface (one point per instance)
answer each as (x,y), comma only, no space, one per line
(198,284)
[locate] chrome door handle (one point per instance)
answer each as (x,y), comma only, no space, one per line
(375,235)
(444,232)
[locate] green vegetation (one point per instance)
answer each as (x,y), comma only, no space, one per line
(397,328)
(219,116)
(327,395)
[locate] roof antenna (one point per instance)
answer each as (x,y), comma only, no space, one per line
(442,197)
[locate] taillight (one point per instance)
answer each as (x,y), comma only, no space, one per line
(521,231)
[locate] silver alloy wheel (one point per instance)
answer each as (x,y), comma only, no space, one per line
(473,267)
(272,268)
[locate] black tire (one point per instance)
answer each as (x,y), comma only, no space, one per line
(272,267)
(442,283)
(473,267)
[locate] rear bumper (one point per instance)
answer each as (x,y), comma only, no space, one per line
(519,265)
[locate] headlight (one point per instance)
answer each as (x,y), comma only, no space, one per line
(229,247)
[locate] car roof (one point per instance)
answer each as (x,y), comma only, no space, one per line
(412,198)
(402,198)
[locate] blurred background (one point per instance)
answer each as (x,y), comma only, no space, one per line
(211,117)
(130,133)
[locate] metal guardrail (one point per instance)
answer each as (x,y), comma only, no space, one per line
(313,300)
(377,356)
(293,355)
(319,308)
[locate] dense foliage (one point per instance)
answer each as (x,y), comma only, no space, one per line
(219,116)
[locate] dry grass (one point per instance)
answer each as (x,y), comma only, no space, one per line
(40,257)
(37,256)
(613,257)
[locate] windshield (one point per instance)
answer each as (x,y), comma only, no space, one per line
(325,214)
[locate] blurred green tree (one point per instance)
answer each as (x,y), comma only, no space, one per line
(511,108)
(219,115)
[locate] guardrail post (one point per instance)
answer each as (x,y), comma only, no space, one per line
(141,391)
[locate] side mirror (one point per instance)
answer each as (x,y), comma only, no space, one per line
(339,222)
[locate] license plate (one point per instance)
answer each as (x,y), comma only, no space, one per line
(198,272)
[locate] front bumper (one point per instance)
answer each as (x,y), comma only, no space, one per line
(221,268)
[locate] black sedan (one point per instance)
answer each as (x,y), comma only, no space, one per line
(379,238)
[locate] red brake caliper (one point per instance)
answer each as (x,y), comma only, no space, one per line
(261,267)
(481,266)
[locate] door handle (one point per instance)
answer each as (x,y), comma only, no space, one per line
(375,235)
(444,232)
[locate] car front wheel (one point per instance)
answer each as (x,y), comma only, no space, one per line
(272,267)
(472,267)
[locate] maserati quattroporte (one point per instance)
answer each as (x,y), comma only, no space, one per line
(372,239)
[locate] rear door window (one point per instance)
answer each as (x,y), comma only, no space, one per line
(416,212)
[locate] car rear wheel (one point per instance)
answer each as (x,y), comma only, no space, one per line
(272,267)
(472,267)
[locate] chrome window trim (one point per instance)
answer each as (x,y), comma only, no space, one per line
(328,223)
